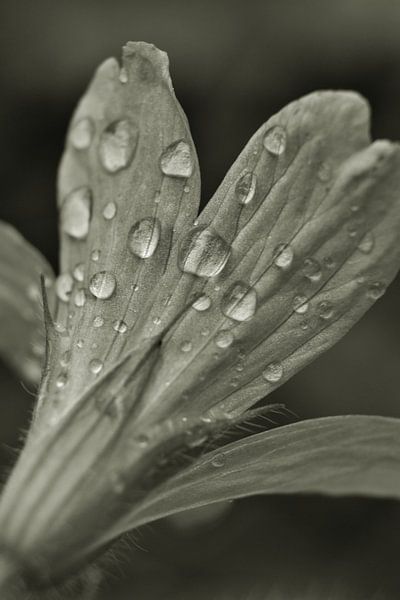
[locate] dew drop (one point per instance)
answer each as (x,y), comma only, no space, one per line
(117,145)
(367,243)
(329,262)
(376,290)
(186,346)
(110,211)
(123,75)
(80,343)
(202,303)
(203,253)
(273,372)
(157,320)
(64,285)
(143,440)
(144,236)
(325,309)
(120,326)
(275,140)
(176,160)
(246,188)
(95,255)
(239,302)
(102,285)
(79,272)
(218,460)
(224,338)
(312,269)
(283,256)
(98,322)
(61,381)
(300,304)
(95,366)
(80,298)
(81,133)
(65,358)
(76,213)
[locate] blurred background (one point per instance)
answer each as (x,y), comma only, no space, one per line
(233,64)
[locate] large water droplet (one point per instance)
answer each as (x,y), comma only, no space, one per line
(76,213)
(246,188)
(312,269)
(366,245)
(275,140)
(81,133)
(120,326)
(283,256)
(300,304)
(117,145)
(224,338)
(144,236)
(110,211)
(95,366)
(176,160)
(202,303)
(64,285)
(203,253)
(273,372)
(239,302)
(102,285)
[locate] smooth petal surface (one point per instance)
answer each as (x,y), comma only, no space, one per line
(22,340)
(350,455)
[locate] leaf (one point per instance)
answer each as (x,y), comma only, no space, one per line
(347,455)
(22,343)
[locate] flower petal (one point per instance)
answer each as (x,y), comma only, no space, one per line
(293,274)
(128,186)
(22,343)
(350,455)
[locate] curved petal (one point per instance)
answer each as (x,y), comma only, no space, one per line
(22,343)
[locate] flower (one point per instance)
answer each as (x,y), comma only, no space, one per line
(164,329)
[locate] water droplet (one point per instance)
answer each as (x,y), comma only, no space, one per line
(376,290)
(95,366)
(312,269)
(102,285)
(80,343)
(123,75)
(61,381)
(329,262)
(353,230)
(300,304)
(325,309)
(367,243)
(79,272)
(203,253)
(144,236)
(176,160)
(275,140)
(80,298)
(156,320)
(224,338)
(120,326)
(283,256)
(81,133)
(273,372)
(117,145)
(76,213)
(218,460)
(65,358)
(239,302)
(95,255)
(110,211)
(202,303)
(98,322)
(246,188)
(186,346)
(64,285)
(143,440)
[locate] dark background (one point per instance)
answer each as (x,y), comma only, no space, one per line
(233,64)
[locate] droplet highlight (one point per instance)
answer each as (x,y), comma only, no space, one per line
(202,303)
(109,211)
(275,140)
(273,372)
(283,256)
(224,338)
(144,236)
(246,188)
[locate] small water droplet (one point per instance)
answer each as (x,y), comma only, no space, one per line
(376,290)
(65,358)
(239,302)
(98,322)
(202,303)
(80,343)
(312,269)
(275,140)
(61,381)
(95,366)
(76,213)
(80,298)
(329,262)
(143,440)
(102,285)
(144,236)
(300,304)
(186,346)
(367,243)
(246,188)
(273,372)
(95,255)
(218,460)
(79,272)
(123,75)
(176,160)
(325,309)
(120,326)
(224,338)
(117,145)
(81,133)
(203,253)
(283,256)
(110,211)
(156,320)
(64,285)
